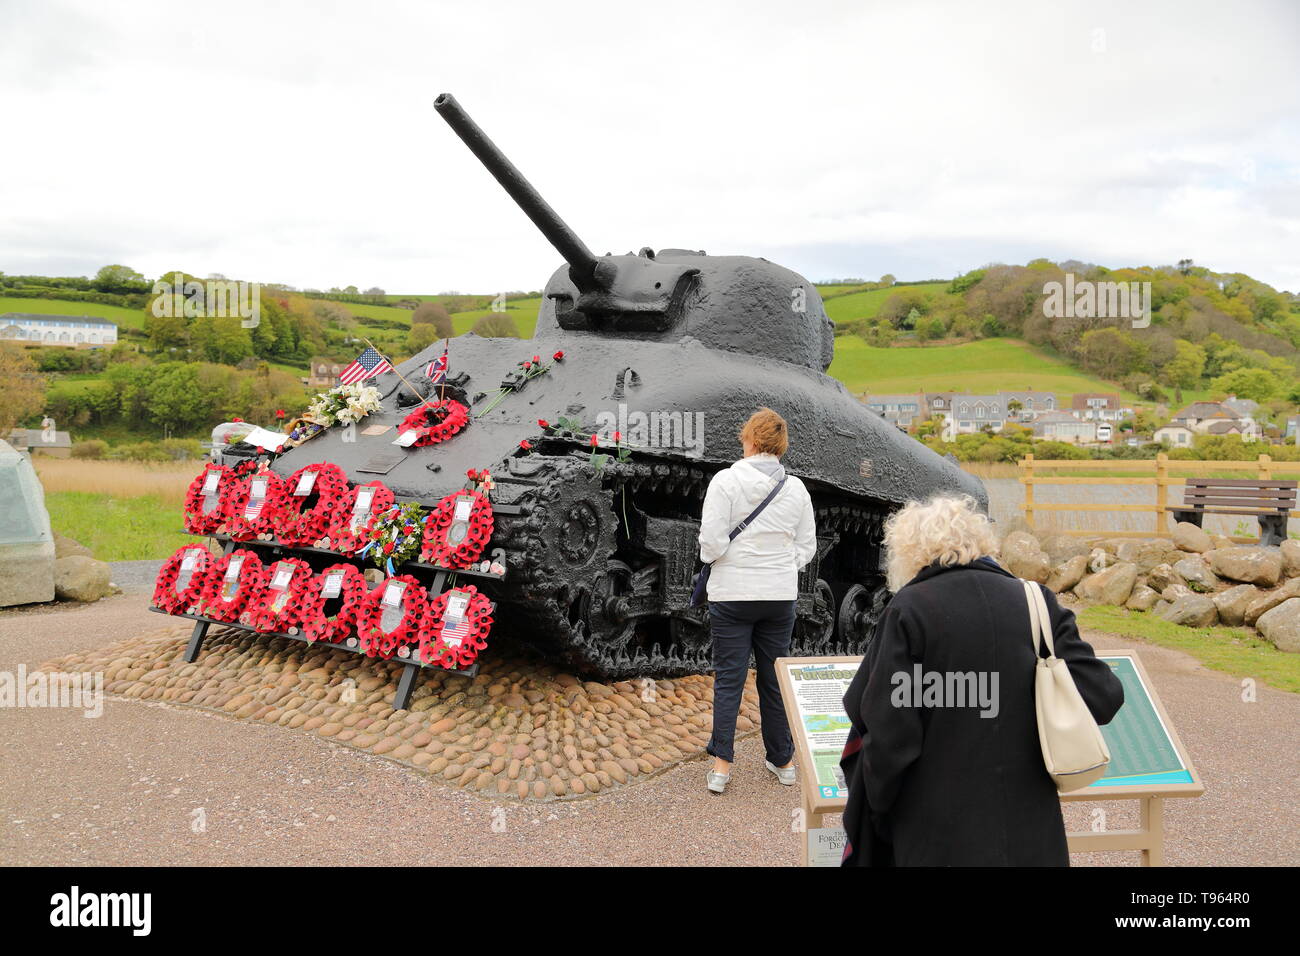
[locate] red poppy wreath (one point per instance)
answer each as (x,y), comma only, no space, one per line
(181,578)
(347,531)
(457,530)
(232,583)
(404,599)
(251,504)
(204,510)
(455,628)
(432,423)
(321,620)
(279,607)
(306,506)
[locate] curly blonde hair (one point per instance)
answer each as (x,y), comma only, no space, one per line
(947,529)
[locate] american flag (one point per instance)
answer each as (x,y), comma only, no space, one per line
(454,633)
(437,370)
(368,364)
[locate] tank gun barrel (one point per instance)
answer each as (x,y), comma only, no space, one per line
(555,229)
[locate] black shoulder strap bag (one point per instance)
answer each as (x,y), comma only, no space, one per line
(700,595)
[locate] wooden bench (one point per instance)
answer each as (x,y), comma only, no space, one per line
(1269,502)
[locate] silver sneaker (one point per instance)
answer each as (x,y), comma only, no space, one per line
(784,774)
(718,781)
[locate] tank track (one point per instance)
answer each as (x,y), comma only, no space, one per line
(601,566)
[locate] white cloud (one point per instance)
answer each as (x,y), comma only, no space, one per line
(297,142)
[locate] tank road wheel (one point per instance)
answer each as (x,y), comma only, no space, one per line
(859,613)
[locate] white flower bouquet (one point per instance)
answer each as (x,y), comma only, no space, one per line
(344,404)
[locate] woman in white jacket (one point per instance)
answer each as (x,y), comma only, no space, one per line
(752,588)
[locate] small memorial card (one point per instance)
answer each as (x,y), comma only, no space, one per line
(211,481)
(232,569)
(187,562)
(454,628)
(375,429)
(463,507)
(407,439)
(305,484)
(282,578)
(361,510)
(256,497)
(393,594)
(333,584)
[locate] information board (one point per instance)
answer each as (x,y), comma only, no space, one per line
(812,690)
(1145,753)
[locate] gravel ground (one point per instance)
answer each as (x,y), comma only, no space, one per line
(135,577)
(161,784)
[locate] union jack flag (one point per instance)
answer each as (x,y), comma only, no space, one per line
(368,364)
(437,370)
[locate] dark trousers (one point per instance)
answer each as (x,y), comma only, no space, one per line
(739,627)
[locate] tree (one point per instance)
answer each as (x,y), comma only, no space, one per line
(421,337)
(435,314)
(887,280)
(1256,384)
(23,388)
(1109,352)
(496,325)
(117,278)
(1187,366)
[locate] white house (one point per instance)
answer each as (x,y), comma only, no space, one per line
(1215,418)
(1177,436)
(75,331)
(1062,426)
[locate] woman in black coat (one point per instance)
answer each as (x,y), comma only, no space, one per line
(948,770)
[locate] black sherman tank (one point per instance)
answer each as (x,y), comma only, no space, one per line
(674,349)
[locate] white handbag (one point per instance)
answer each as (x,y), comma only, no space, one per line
(1073,748)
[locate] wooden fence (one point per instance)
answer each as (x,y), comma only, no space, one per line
(1161,472)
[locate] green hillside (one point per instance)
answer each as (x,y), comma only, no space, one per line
(126,318)
(986,365)
(865,305)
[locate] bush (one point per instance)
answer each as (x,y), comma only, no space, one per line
(93,448)
(140,451)
(496,326)
(182,449)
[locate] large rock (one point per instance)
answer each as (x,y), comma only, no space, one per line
(1233,602)
(1192,610)
(1291,558)
(1161,576)
(79,578)
(1267,600)
(1067,575)
(1142,599)
(1062,547)
(1023,556)
(1174,592)
(26,541)
(1262,566)
(1196,574)
(1188,537)
(1281,626)
(1112,586)
(66,548)
(1147,553)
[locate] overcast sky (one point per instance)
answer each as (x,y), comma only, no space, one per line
(288,142)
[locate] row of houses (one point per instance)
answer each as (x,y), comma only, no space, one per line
(967,413)
(1091,418)
(74,331)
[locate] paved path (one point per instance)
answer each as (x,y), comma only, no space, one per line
(129,787)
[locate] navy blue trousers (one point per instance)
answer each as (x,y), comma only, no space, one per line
(739,629)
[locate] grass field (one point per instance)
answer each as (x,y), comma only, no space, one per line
(1233,650)
(864,305)
(117,528)
(126,318)
(987,365)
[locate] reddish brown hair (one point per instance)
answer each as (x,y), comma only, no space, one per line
(767,432)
